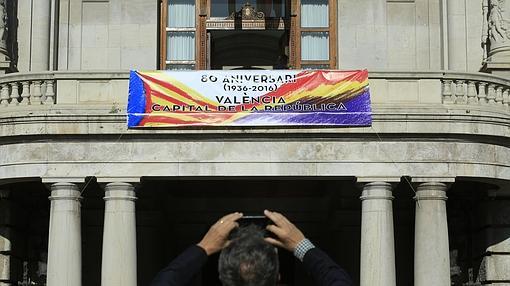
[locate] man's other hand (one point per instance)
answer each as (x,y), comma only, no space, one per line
(287,234)
(217,237)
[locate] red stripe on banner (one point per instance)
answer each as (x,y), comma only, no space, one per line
(148,100)
(196,118)
(176,90)
(175,101)
(284,89)
(170,99)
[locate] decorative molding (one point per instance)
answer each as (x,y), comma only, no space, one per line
(268,24)
(248,12)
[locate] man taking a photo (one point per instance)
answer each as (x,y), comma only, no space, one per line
(250,259)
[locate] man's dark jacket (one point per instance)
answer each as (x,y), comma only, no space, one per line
(182,269)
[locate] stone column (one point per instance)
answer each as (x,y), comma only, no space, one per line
(431,250)
(377,265)
(119,236)
(40,42)
(64,242)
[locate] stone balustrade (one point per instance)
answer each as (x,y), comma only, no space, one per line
(476,89)
(73,88)
(110,87)
(25,89)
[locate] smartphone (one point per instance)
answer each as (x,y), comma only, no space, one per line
(258,220)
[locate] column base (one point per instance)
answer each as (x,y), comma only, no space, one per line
(498,68)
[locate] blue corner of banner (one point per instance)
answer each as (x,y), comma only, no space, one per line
(136,100)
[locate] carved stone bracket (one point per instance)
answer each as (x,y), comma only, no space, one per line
(248,12)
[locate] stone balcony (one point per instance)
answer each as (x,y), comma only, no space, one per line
(403,102)
(66,125)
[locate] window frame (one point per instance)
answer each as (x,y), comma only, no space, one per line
(164,30)
(202,12)
(331,30)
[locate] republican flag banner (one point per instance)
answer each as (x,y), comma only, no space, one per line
(249,98)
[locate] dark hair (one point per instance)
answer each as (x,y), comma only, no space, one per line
(248,260)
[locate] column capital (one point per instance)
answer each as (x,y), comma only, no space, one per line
(377,191)
(119,191)
(431,191)
(65,191)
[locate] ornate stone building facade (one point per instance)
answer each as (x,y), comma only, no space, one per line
(419,198)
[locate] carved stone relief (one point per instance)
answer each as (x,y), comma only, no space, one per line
(248,12)
(496,34)
(3,26)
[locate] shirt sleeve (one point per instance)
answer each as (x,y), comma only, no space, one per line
(324,271)
(182,269)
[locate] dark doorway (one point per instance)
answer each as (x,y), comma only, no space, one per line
(234,49)
(172,215)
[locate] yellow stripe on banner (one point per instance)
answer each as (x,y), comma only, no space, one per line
(163,90)
(326,91)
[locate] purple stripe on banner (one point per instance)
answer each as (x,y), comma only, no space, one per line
(358,112)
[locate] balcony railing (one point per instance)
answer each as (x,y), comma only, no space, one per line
(107,87)
(475,89)
(63,87)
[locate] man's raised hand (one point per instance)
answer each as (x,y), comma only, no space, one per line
(287,234)
(217,237)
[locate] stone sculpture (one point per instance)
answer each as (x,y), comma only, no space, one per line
(496,33)
(3,26)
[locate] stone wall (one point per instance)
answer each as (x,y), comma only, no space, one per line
(410,34)
(107,34)
(385,34)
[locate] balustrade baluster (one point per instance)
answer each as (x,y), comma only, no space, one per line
(50,92)
(471,93)
(447,91)
(491,96)
(506,97)
(482,94)
(35,98)
(4,95)
(460,93)
(25,94)
(499,95)
(14,93)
